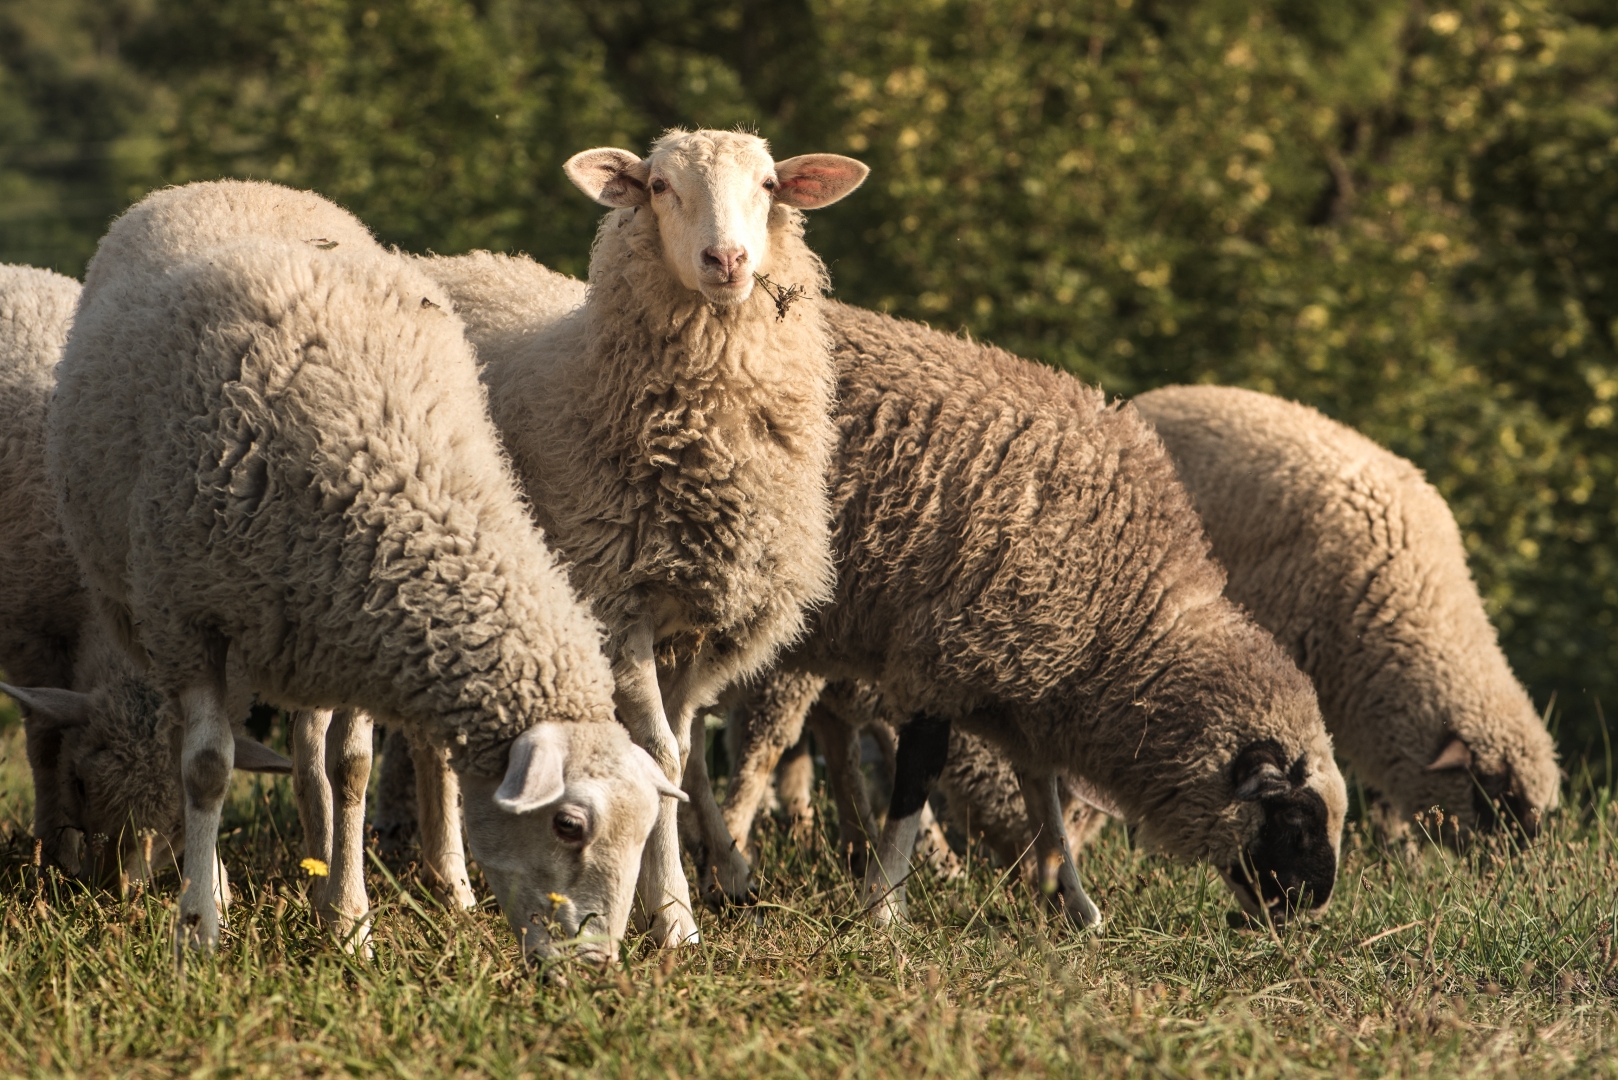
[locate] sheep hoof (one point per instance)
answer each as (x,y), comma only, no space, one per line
(673,927)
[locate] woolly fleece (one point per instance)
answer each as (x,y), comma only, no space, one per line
(1019,557)
(1354,562)
(269,432)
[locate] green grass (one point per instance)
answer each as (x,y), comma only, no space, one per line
(1487,965)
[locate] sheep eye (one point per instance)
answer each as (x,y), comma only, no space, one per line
(569,827)
(658,186)
(769,183)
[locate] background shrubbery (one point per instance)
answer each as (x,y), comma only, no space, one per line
(1405,214)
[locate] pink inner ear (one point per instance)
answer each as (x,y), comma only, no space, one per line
(1455,755)
(815,180)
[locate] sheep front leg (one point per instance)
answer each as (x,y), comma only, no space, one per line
(312,791)
(344,905)
(665,895)
(438,821)
(773,721)
(1057,875)
(207,756)
(726,870)
(922,753)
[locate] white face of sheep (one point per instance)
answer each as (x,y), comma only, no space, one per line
(560,835)
(714,194)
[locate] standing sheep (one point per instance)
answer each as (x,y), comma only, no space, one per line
(106,808)
(276,469)
(1354,562)
(673,432)
(1018,559)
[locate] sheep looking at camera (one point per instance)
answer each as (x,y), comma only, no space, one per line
(673,431)
(276,469)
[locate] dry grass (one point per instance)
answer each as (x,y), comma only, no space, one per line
(1489,965)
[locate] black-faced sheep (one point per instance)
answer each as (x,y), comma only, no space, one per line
(106,801)
(1018,559)
(1354,562)
(276,468)
(672,434)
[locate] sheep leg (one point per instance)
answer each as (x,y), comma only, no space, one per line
(393,817)
(665,895)
(1058,877)
(856,825)
(344,905)
(207,756)
(312,791)
(711,870)
(922,753)
(772,720)
(725,873)
(797,786)
(438,817)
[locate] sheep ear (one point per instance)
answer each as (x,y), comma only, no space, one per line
(535,771)
(254,756)
(1455,755)
(50,709)
(610,176)
(655,775)
(810,181)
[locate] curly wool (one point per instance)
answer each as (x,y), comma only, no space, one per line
(1017,556)
(675,450)
(266,439)
(1354,562)
(41,599)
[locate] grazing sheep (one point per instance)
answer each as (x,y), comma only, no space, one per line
(277,472)
(106,804)
(1354,562)
(673,432)
(1018,559)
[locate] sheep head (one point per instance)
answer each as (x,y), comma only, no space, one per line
(106,777)
(559,836)
(716,195)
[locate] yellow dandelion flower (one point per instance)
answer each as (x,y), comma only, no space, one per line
(557,899)
(315,868)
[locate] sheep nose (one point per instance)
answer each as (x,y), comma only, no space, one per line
(729,260)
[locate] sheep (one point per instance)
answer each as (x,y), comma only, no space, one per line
(106,808)
(1017,558)
(276,469)
(1354,562)
(672,433)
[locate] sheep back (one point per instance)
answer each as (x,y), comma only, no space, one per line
(284,445)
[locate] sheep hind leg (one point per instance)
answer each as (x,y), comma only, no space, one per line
(438,818)
(207,755)
(1058,877)
(797,786)
(344,905)
(922,753)
(772,719)
(312,791)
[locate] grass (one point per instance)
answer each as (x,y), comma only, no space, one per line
(1488,965)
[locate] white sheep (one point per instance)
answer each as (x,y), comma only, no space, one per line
(106,808)
(1353,561)
(672,433)
(276,469)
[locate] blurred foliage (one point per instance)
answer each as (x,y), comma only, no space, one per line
(1403,213)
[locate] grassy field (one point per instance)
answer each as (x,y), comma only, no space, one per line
(1490,965)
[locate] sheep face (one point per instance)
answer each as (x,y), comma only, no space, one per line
(106,776)
(1289,860)
(715,194)
(1505,780)
(560,835)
